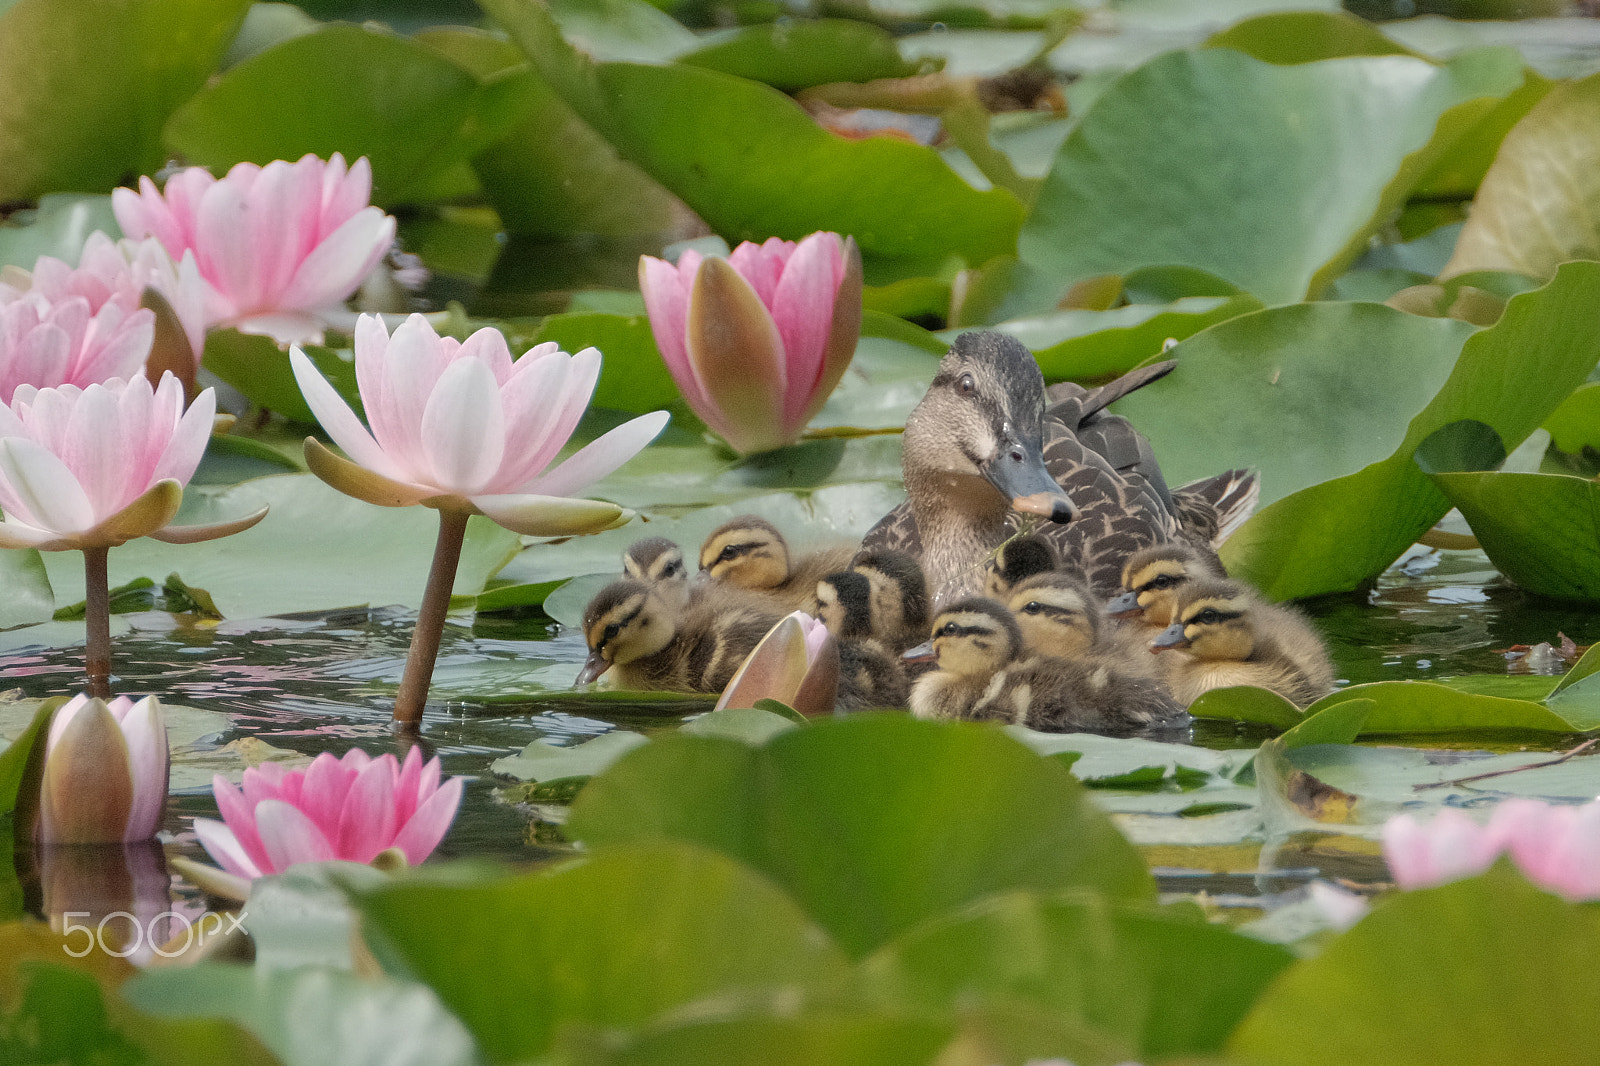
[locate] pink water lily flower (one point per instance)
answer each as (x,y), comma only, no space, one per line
(796,663)
(279,246)
(98,466)
(460,426)
(105,772)
(1555,847)
(353,808)
(758,340)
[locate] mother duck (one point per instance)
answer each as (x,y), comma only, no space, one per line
(983,452)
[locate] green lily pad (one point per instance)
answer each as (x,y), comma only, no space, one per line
(316,549)
(551,175)
(85,112)
(25,593)
(1539,202)
(58,227)
(1247,703)
(1288,134)
(1332,535)
(1575,425)
(256,366)
(311,1016)
(620,937)
(799,53)
(407,108)
(1167,985)
(633,376)
(753,164)
(748,724)
(872,822)
(622,29)
(1388,780)
(1290,37)
(1124,762)
(777,1037)
(543,761)
(1425,707)
(1477,973)
(1541,530)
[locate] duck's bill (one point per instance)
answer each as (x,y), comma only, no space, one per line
(1124,606)
(593,667)
(1171,637)
(922,653)
(1026,482)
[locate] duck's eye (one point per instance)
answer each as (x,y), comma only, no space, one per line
(612,630)
(672,570)
(1165,581)
(728,553)
(947,630)
(966,385)
(1209,616)
(1032,607)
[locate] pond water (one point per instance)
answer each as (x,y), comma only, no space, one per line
(325,682)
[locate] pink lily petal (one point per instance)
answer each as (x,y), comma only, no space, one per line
(290,836)
(336,267)
(737,353)
(601,456)
(367,822)
(802,307)
(145,729)
(422,833)
(40,489)
(238,811)
(463,428)
(223,846)
(338,420)
(285,327)
(666,301)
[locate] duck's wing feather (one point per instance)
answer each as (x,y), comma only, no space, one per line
(1211,509)
(895,531)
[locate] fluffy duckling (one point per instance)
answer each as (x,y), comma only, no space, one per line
(1224,634)
(1060,618)
(1154,578)
(749,553)
(1015,561)
(869,674)
(646,643)
(899,597)
(658,562)
(983,676)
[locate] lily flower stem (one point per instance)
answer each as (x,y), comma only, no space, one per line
(97,620)
(414,682)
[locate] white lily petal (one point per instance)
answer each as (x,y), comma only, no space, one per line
(338,420)
(601,456)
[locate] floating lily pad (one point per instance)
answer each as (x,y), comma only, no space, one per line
(1575,425)
(1289,37)
(1247,703)
(1425,707)
(85,112)
(543,761)
(255,365)
(58,228)
(620,937)
(1476,973)
(25,593)
(316,549)
(796,54)
(748,724)
(1124,762)
(1541,530)
(1236,154)
(753,164)
(872,822)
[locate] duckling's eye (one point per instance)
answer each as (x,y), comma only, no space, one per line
(948,629)
(1209,616)
(728,553)
(966,385)
(1165,581)
(671,569)
(1032,607)
(612,630)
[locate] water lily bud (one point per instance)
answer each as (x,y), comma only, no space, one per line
(796,663)
(758,340)
(105,772)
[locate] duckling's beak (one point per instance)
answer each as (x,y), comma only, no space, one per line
(1171,637)
(1020,474)
(1124,606)
(593,667)
(922,653)
(699,580)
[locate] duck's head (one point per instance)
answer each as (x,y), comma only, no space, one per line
(1152,580)
(899,590)
(748,552)
(1057,614)
(658,562)
(1015,561)
(975,637)
(1213,621)
(625,621)
(979,432)
(844,603)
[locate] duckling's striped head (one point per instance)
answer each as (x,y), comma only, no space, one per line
(1057,614)
(983,417)
(1015,561)
(748,552)
(1152,580)
(899,591)
(1213,621)
(654,560)
(975,637)
(625,621)
(844,603)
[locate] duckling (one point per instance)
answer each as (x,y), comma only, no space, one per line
(981,447)
(1225,635)
(749,553)
(983,676)
(869,674)
(1060,618)
(899,597)
(1154,578)
(658,562)
(646,643)
(1015,561)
